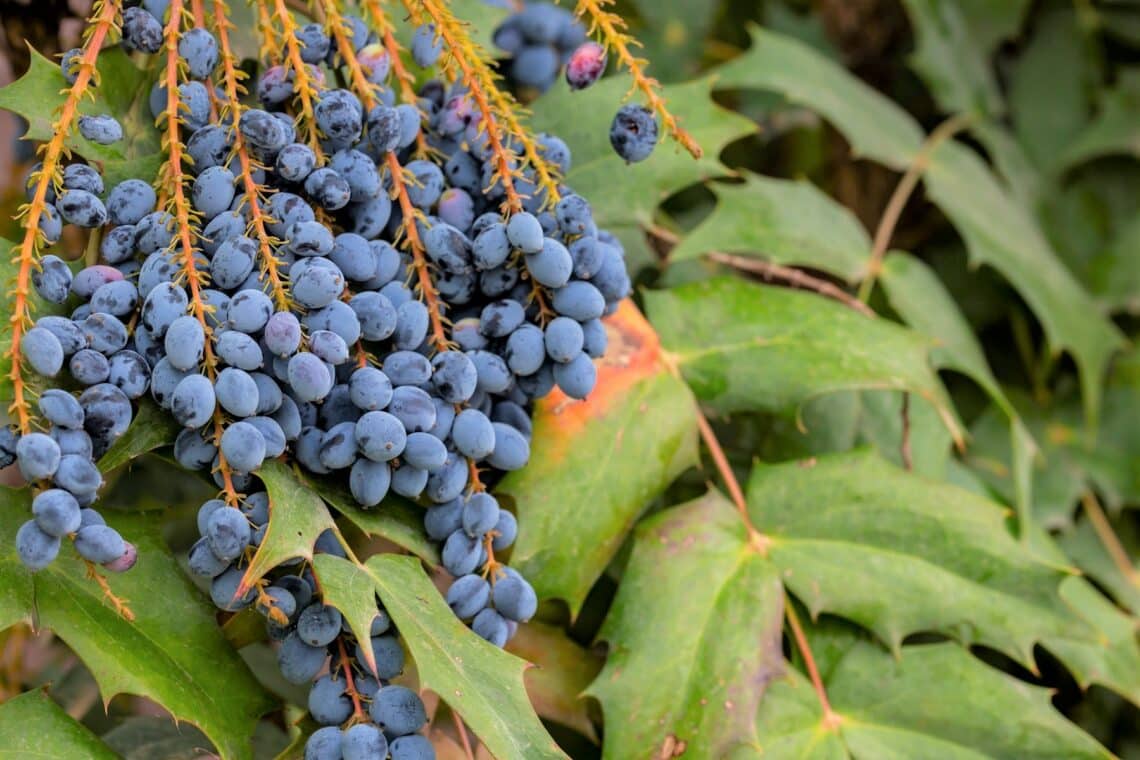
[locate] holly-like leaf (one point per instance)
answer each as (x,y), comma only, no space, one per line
(563,671)
(596,464)
(625,197)
(1114,131)
(785,221)
(920,298)
(997,229)
(159,655)
(150,429)
(950,60)
(481,682)
(698,616)
(888,710)
(122,93)
(33,726)
(396,519)
(743,346)
(1087,550)
(152,737)
(923,566)
(297,517)
(350,590)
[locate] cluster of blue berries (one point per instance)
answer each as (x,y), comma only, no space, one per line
(347,374)
(541,40)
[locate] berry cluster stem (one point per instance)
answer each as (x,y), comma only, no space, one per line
(180,210)
(613,35)
(231,79)
(27,254)
(476,75)
(302,81)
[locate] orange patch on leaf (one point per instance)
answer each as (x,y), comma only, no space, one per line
(633,354)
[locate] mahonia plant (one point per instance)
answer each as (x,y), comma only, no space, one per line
(364,264)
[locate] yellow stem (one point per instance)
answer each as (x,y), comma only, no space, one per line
(612,29)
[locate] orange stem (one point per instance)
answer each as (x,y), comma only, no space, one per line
(445,25)
(28,255)
(253,191)
(302,82)
(419,260)
(831,719)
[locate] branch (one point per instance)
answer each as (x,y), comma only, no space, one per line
(614,37)
(831,719)
(1109,538)
(27,254)
(899,197)
(771,271)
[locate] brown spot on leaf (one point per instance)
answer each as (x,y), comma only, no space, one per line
(671,747)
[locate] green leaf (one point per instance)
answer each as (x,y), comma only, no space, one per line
(785,221)
(743,346)
(998,231)
(1049,86)
(1114,131)
(481,682)
(33,726)
(889,711)
(596,464)
(694,635)
(297,517)
(1087,550)
(144,737)
(563,671)
(673,32)
(621,195)
(950,60)
(150,429)
(349,589)
(923,566)
(880,425)
(122,93)
(160,655)
(396,519)
(920,298)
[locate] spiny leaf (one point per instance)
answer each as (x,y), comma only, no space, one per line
(297,517)
(785,221)
(694,635)
(746,346)
(627,195)
(923,566)
(1114,131)
(596,464)
(481,682)
(950,60)
(122,93)
(1086,548)
(563,671)
(998,231)
(889,711)
(1050,86)
(920,298)
(161,653)
(344,586)
(396,519)
(33,726)
(150,429)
